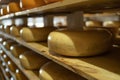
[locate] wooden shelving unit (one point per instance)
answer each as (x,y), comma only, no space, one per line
(104,67)
(29,74)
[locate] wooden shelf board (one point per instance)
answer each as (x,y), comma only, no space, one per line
(70,6)
(29,74)
(103,67)
(6,78)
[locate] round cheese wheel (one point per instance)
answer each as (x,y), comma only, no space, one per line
(8,43)
(51,1)
(12,67)
(16,50)
(13,7)
(19,75)
(31,60)
(15,31)
(28,4)
(53,71)
(111,24)
(79,43)
(7,29)
(93,24)
(6,58)
(35,34)
(5,11)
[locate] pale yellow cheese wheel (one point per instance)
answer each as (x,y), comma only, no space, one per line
(15,31)
(51,1)
(35,34)
(31,60)
(7,29)
(8,43)
(17,49)
(19,75)
(93,24)
(111,24)
(79,43)
(12,67)
(53,71)
(13,7)
(28,4)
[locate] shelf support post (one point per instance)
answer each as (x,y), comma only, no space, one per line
(48,21)
(75,20)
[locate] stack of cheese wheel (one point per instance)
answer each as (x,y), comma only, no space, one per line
(53,71)
(79,43)
(19,75)
(31,60)
(11,66)
(7,29)
(28,4)
(15,31)
(8,43)
(93,24)
(17,49)
(13,7)
(51,1)
(36,34)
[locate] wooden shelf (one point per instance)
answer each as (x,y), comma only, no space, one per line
(6,78)
(29,74)
(71,6)
(103,67)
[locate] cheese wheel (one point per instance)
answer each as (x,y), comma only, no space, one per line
(111,24)
(19,75)
(16,50)
(35,34)
(51,1)
(5,11)
(7,72)
(8,43)
(15,31)
(6,58)
(7,29)
(93,24)
(12,67)
(31,60)
(79,43)
(53,71)
(13,7)
(28,4)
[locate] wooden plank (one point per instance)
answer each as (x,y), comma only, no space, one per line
(29,74)
(103,67)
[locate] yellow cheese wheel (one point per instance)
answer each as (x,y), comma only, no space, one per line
(35,34)
(16,50)
(93,24)
(13,7)
(53,71)
(15,31)
(5,11)
(12,67)
(19,75)
(6,58)
(51,1)
(7,29)
(111,23)
(79,43)
(8,43)
(31,60)
(28,4)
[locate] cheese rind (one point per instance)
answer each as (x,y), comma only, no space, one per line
(79,43)
(35,34)
(31,60)
(15,31)
(53,71)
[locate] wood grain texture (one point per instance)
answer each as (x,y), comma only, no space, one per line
(102,67)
